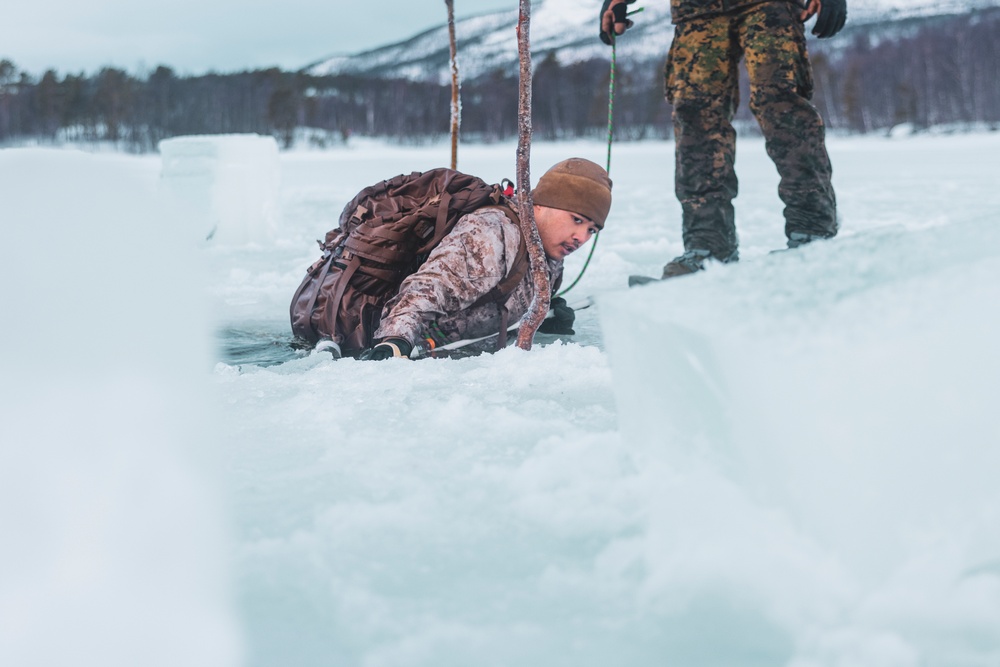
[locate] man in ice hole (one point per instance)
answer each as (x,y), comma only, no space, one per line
(439,303)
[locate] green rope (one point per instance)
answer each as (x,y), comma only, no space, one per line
(611,126)
(611,99)
(611,116)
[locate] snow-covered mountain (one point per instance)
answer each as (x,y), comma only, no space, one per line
(567,28)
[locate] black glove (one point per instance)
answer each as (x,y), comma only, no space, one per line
(832,17)
(387,349)
(562,319)
(620,11)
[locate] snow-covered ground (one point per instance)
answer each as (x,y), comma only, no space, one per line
(790,461)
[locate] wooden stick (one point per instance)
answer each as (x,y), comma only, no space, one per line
(539,275)
(455,108)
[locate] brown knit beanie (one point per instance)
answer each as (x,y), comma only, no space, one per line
(576,185)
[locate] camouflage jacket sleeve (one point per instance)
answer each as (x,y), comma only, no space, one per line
(467,264)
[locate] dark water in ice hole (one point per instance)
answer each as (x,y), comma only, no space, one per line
(270,343)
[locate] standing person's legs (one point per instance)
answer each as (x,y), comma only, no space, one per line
(702,86)
(781,85)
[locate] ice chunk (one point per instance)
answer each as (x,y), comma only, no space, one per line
(225,187)
(113,541)
(842,399)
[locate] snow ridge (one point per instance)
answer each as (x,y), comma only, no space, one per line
(567,28)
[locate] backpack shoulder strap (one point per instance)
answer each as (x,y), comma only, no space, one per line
(520,267)
(502,290)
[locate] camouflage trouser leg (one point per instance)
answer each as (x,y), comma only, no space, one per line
(703,87)
(773,42)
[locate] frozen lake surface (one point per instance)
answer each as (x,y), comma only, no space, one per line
(789,461)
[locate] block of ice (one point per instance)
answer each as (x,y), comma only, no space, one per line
(841,399)
(112,529)
(224,187)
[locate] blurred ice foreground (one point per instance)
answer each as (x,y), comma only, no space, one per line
(112,541)
(837,405)
(226,186)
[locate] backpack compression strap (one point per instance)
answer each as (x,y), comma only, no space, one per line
(502,290)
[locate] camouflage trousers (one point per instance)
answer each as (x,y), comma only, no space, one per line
(702,84)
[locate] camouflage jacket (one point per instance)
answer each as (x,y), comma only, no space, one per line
(435,302)
(685,10)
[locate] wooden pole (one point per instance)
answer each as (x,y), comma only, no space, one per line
(455,108)
(540,304)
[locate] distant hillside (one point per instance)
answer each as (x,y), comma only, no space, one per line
(920,68)
(565,30)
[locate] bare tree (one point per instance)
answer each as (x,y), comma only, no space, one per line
(455,105)
(540,304)
(941,71)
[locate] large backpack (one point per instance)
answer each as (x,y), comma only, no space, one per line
(385,234)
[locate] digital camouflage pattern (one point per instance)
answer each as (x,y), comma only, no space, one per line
(702,84)
(684,10)
(435,302)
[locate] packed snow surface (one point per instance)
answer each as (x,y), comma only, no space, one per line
(788,461)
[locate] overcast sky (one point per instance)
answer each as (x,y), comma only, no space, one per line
(195,36)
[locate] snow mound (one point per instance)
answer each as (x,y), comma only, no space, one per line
(780,399)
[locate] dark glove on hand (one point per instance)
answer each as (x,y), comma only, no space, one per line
(620,11)
(562,319)
(832,17)
(385,350)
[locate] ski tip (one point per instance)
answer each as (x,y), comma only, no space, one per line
(635,281)
(581,304)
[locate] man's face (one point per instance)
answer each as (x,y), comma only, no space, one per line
(562,232)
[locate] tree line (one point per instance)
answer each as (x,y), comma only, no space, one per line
(927,73)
